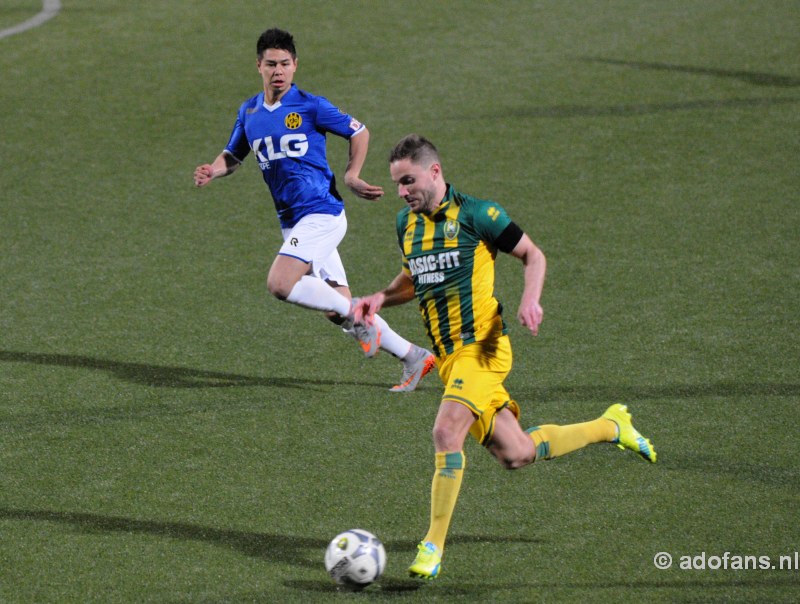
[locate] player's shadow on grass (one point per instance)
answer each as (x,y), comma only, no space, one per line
(161,376)
(184,377)
(633,109)
(286,549)
(756,78)
(281,548)
(301,551)
(306,552)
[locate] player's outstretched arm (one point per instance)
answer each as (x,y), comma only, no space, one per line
(530,312)
(223,165)
(399,291)
(359,144)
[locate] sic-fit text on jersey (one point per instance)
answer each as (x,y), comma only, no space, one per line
(430,268)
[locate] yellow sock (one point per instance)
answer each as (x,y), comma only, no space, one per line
(444,493)
(554,441)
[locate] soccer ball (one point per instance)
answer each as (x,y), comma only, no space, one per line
(355,558)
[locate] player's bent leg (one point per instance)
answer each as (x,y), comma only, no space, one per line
(510,444)
(553,441)
(284,274)
(335,317)
(290,280)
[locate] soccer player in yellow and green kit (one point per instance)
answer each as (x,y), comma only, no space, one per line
(449,243)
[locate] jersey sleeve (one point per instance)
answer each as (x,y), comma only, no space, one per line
(237,145)
(490,219)
(332,119)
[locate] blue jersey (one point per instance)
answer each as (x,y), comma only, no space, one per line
(288,141)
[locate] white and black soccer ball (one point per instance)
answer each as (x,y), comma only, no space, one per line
(355,558)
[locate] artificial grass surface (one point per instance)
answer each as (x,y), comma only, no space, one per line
(169,433)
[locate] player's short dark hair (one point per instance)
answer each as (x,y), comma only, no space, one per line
(416,148)
(275,38)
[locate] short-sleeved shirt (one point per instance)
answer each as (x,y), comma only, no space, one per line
(450,256)
(288,142)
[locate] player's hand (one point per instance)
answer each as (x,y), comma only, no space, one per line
(363,189)
(365,308)
(203,175)
(530,314)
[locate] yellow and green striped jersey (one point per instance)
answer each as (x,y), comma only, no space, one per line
(450,257)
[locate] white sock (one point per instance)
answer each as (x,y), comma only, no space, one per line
(391,341)
(312,292)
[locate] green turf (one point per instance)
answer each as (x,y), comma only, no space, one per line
(169,433)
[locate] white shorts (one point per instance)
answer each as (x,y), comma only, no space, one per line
(314,240)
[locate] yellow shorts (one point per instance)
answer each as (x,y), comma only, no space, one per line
(474,376)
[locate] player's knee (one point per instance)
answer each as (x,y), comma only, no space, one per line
(444,439)
(278,287)
(439,434)
(512,460)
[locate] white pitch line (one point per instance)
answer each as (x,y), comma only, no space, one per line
(50,9)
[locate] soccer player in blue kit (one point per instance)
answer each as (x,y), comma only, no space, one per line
(285,128)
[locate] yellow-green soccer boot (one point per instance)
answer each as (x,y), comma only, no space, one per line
(428,562)
(628,437)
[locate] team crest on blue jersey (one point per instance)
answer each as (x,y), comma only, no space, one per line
(451,228)
(354,124)
(293,121)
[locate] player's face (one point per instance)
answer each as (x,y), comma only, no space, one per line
(277,69)
(421,187)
